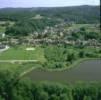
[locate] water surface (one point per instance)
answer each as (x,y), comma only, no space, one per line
(86,71)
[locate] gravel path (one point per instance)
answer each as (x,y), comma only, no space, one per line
(13,61)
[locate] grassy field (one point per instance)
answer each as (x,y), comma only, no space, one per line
(2,29)
(8,66)
(20,53)
(18,68)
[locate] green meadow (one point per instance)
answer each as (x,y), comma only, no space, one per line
(47,57)
(20,53)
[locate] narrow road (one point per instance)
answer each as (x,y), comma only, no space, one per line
(20,61)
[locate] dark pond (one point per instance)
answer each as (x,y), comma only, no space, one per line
(86,71)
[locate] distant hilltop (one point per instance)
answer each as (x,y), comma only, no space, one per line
(36,8)
(84,13)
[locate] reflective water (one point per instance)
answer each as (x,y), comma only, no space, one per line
(86,71)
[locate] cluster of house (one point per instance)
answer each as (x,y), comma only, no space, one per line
(32,41)
(56,35)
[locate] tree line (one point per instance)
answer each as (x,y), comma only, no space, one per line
(78,14)
(25,89)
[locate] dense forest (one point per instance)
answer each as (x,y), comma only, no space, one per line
(24,89)
(79,14)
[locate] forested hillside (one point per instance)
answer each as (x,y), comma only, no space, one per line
(41,20)
(78,14)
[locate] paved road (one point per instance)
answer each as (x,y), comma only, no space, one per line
(6,48)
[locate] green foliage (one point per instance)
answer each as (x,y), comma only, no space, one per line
(57,56)
(51,56)
(24,89)
(20,53)
(55,53)
(84,35)
(26,21)
(81,54)
(28,26)
(68,14)
(61,57)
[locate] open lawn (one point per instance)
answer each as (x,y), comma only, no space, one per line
(2,29)
(19,60)
(8,66)
(18,67)
(20,53)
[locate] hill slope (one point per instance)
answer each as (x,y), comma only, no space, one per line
(78,14)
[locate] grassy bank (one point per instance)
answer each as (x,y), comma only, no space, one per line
(73,65)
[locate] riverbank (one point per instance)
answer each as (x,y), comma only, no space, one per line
(70,66)
(87,71)
(25,72)
(60,69)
